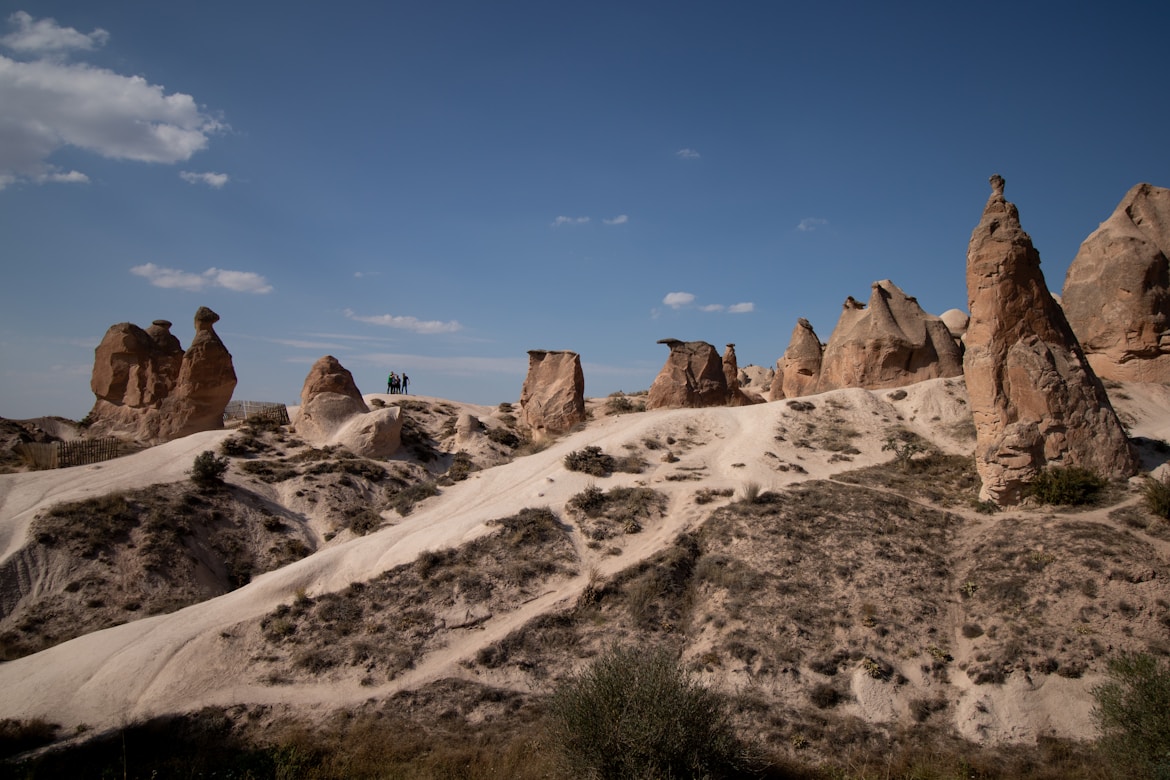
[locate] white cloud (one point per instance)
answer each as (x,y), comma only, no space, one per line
(62,177)
(741,308)
(238,281)
(620,219)
(45,36)
(569,221)
(406,323)
(811,223)
(214,180)
(712,307)
(687,154)
(174,279)
(50,104)
(676,299)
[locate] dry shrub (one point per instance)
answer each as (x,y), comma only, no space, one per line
(634,713)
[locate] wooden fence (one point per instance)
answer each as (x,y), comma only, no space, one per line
(268,410)
(62,454)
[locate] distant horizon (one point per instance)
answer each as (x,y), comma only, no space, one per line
(438,190)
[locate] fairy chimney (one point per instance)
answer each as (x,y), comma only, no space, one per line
(1035,399)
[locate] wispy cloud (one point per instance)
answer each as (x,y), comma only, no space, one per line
(213,180)
(454,365)
(620,219)
(175,279)
(45,36)
(412,324)
(365,274)
(809,224)
(559,221)
(322,346)
(679,300)
(50,103)
(60,177)
(687,154)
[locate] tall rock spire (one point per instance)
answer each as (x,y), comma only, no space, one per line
(1035,399)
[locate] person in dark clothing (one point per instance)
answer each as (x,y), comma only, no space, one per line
(405,384)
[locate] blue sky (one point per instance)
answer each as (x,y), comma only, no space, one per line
(438,188)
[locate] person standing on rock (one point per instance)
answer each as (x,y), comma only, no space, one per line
(389,382)
(405,384)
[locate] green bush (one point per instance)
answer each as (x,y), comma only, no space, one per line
(1156,492)
(208,469)
(637,714)
(1132,711)
(1068,485)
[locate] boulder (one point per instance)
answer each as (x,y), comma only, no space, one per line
(692,377)
(756,379)
(149,390)
(956,321)
(799,370)
(329,398)
(333,412)
(891,342)
(552,399)
(1034,396)
(1116,294)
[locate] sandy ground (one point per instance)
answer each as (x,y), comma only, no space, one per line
(188,659)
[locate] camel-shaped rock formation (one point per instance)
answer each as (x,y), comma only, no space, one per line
(1034,396)
(149,390)
(1116,294)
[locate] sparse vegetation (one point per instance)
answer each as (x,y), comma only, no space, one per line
(638,714)
(620,403)
(904,450)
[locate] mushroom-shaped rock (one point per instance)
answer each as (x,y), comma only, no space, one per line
(799,371)
(1117,290)
(552,399)
(206,381)
(1034,397)
(890,342)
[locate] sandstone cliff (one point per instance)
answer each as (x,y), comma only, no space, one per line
(1116,294)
